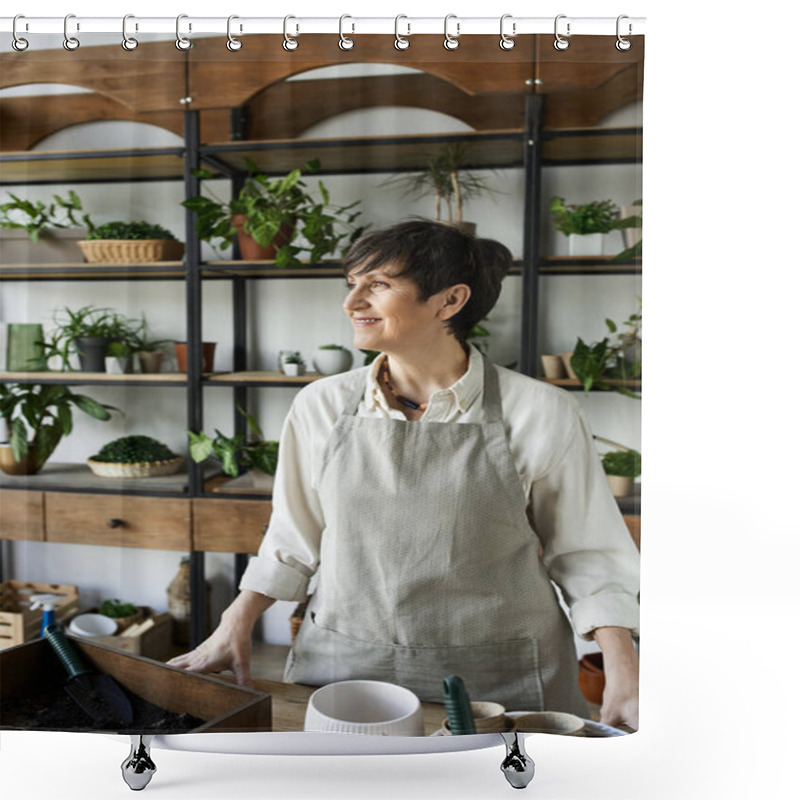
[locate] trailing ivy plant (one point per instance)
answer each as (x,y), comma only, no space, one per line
(238,453)
(38,416)
(35,216)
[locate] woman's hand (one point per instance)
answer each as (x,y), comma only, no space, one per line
(621,667)
(230,646)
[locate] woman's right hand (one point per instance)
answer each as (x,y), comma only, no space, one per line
(230,646)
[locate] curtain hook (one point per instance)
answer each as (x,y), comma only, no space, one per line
(289,43)
(181,42)
(400,42)
(560,43)
(451,42)
(128,42)
(70,42)
(233,44)
(18,43)
(506,42)
(621,43)
(345,43)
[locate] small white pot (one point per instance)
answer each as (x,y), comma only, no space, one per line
(293,370)
(589,244)
(331,362)
(620,487)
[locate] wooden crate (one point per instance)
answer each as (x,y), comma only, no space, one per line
(18,624)
(225,707)
(155,642)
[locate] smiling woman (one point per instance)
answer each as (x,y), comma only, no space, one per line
(407,490)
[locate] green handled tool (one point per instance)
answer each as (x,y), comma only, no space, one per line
(459,711)
(99,695)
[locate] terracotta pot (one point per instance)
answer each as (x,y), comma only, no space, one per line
(251,250)
(553,367)
(11,466)
(566,358)
(592,678)
(208,356)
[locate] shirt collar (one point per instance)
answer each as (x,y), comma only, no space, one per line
(464,391)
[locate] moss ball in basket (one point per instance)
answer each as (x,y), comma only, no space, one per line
(130,242)
(134,457)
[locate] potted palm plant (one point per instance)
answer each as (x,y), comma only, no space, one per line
(450,184)
(269,215)
(37,417)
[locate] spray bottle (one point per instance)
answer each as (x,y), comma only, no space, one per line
(48,603)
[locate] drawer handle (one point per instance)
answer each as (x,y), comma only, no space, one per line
(115,523)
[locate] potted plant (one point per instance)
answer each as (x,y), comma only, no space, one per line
(330,359)
(149,351)
(269,214)
(242,452)
(293,364)
(134,456)
(35,232)
(449,183)
(584,224)
(124,614)
(209,350)
(130,242)
(618,357)
(630,223)
(119,358)
(621,467)
(87,331)
(37,417)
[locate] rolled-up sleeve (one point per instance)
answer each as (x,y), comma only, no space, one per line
(289,553)
(587,549)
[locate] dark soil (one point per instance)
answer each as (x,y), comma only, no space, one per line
(51,708)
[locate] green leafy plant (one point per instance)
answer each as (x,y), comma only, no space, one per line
(625,463)
(597,216)
(633,221)
(116,609)
(135,449)
(331,347)
(38,416)
(87,321)
(446,179)
(294,358)
(140,339)
(35,216)
(129,230)
(270,205)
(370,356)
(239,452)
(615,357)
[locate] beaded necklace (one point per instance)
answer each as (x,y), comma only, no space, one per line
(386,380)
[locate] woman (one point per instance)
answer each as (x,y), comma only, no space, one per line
(433,497)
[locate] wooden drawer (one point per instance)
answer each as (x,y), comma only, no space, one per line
(21,515)
(229,526)
(157,523)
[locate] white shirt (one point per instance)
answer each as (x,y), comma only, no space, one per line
(587,550)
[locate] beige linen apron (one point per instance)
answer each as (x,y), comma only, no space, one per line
(429,566)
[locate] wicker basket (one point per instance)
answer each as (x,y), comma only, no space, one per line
(142,469)
(128,251)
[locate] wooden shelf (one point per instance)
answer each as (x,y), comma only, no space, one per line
(588,265)
(261,378)
(136,271)
(78,378)
(591,146)
(575,384)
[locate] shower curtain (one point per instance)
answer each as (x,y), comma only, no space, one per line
(531,143)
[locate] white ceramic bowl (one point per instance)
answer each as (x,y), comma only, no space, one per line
(366,707)
(92,625)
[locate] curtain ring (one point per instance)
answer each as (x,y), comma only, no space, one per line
(289,43)
(506,42)
(70,42)
(181,42)
(233,44)
(451,42)
(400,42)
(18,43)
(345,43)
(560,42)
(621,43)
(128,42)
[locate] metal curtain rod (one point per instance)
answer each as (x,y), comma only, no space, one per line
(508,25)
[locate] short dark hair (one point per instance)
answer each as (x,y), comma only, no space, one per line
(436,255)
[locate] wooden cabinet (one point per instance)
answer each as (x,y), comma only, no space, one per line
(229,526)
(118,520)
(21,515)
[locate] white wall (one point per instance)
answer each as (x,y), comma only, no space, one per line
(298,315)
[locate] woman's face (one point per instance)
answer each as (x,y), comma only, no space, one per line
(387,314)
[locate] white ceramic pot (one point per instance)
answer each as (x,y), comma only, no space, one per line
(589,244)
(620,487)
(331,362)
(293,370)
